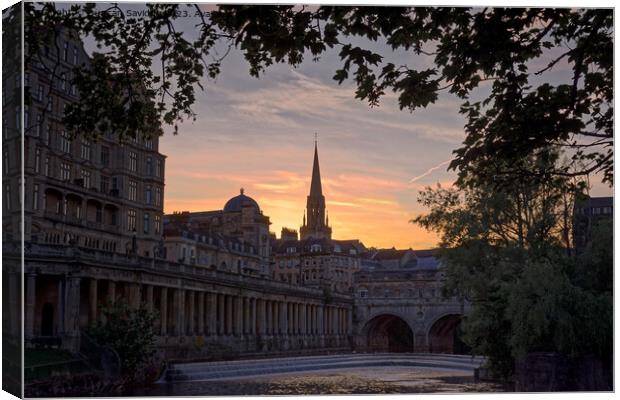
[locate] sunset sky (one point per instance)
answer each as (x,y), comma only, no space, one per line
(259,134)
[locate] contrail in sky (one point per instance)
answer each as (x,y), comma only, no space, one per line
(429,171)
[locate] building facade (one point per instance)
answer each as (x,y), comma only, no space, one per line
(100,194)
(315,259)
(95,233)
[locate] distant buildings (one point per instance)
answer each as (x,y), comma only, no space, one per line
(234,239)
(586,215)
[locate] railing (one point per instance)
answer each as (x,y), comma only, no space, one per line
(133,262)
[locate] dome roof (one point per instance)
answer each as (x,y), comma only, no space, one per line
(238,202)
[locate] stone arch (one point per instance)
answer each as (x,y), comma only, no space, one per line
(387,331)
(443,335)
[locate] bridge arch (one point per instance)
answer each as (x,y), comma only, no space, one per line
(444,335)
(388,332)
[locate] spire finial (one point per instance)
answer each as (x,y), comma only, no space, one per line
(315,138)
(241,191)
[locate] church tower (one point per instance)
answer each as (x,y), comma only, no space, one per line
(315,223)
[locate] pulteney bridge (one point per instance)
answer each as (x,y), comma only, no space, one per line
(403,310)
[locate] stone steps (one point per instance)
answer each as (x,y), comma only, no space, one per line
(202,371)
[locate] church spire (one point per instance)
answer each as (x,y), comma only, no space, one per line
(315,187)
(316,225)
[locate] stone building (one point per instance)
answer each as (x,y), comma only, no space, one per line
(587,214)
(400,305)
(240,224)
(315,259)
(102,195)
(216,251)
(220,284)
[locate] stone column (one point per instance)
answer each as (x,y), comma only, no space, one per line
(201,313)
(163,311)
(111,291)
(303,319)
(261,317)
(349,321)
(221,320)
(238,316)
(181,315)
(211,314)
(229,315)
(277,328)
(247,327)
(253,317)
(60,305)
(269,317)
(71,341)
(31,290)
(134,295)
(149,298)
(296,318)
(283,319)
(321,325)
(92,302)
(190,317)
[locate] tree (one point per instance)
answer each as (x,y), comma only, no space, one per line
(513,49)
(128,331)
(504,249)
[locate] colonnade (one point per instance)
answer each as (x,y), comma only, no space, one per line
(226,314)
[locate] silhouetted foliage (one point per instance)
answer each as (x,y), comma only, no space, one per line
(504,249)
(129,332)
(499,61)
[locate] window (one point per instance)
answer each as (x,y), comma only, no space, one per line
(133,190)
(131,220)
(18,118)
(147,223)
(49,104)
(147,195)
(65,171)
(160,169)
(63,81)
(66,51)
(7,196)
(75,55)
(133,161)
(26,117)
(291,250)
(157,224)
(37,129)
(35,197)
(158,196)
(86,178)
(105,184)
(6,162)
(105,156)
(27,79)
(149,166)
(65,142)
(48,134)
(40,93)
(37,160)
(148,143)
(47,166)
(73,89)
(86,150)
